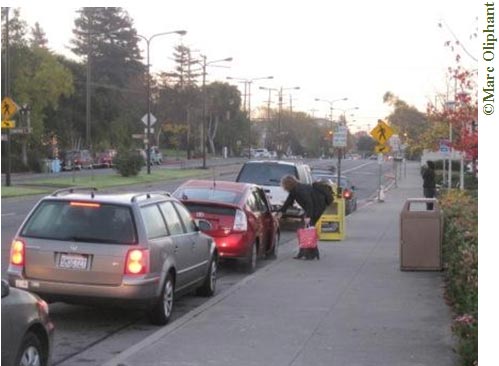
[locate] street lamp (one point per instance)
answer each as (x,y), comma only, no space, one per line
(279,150)
(206,63)
(247,88)
(148,43)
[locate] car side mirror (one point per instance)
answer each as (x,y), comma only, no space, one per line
(353,188)
(203,225)
(5,288)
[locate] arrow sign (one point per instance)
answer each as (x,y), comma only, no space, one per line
(153,119)
(383,149)
(8,124)
(382,132)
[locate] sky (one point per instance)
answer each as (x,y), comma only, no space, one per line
(330,49)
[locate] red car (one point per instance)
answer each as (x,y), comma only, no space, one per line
(105,159)
(239,215)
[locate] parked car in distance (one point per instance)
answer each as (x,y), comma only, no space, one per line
(240,218)
(347,188)
(129,249)
(268,174)
(77,159)
(260,153)
(156,155)
(105,159)
(27,331)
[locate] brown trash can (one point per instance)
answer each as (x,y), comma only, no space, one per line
(421,233)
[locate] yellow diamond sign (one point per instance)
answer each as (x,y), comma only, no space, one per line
(9,108)
(8,124)
(382,132)
(383,149)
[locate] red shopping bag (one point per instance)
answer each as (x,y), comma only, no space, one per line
(307,238)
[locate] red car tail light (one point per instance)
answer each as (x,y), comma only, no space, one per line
(17,253)
(347,194)
(137,262)
(240,221)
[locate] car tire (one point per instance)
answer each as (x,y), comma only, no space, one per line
(250,263)
(161,312)
(31,351)
(275,248)
(209,285)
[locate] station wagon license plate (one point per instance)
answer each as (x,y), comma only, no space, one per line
(72,261)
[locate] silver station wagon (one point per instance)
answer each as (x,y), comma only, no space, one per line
(138,250)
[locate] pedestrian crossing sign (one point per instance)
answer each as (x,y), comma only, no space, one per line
(382,132)
(9,108)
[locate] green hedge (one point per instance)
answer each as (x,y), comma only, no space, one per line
(460,254)
(128,163)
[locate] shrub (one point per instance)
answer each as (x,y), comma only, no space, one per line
(460,257)
(128,163)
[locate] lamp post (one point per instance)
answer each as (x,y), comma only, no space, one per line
(281,89)
(247,87)
(148,43)
(204,64)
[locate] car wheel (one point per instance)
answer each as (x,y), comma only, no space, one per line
(210,282)
(275,249)
(160,314)
(250,264)
(31,352)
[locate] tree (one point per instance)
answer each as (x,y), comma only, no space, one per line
(38,37)
(106,38)
(407,121)
(38,80)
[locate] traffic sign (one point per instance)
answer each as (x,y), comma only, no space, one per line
(152,130)
(137,136)
(382,132)
(8,124)
(445,146)
(21,131)
(152,119)
(340,136)
(9,108)
(382,149)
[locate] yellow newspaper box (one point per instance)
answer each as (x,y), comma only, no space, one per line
(331,225)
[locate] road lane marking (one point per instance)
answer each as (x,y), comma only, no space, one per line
(9,214)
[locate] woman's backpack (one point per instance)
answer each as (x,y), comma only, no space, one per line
(325,189)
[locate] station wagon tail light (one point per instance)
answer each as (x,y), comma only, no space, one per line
(137,262)
(240,221)
(84,204)
(17,253)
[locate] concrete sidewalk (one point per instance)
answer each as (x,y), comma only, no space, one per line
(353,307)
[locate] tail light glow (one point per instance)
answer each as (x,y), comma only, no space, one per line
(240,221)
(137,262)
(17,253)
(347,194)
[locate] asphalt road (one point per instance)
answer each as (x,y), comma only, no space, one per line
(90,336)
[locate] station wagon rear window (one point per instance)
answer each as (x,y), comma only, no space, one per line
(82,222)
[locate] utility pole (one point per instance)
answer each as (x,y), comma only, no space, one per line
(203,134)
(88,87)
(7,94)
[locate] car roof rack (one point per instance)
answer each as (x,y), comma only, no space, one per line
(74,189)
(149,194)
